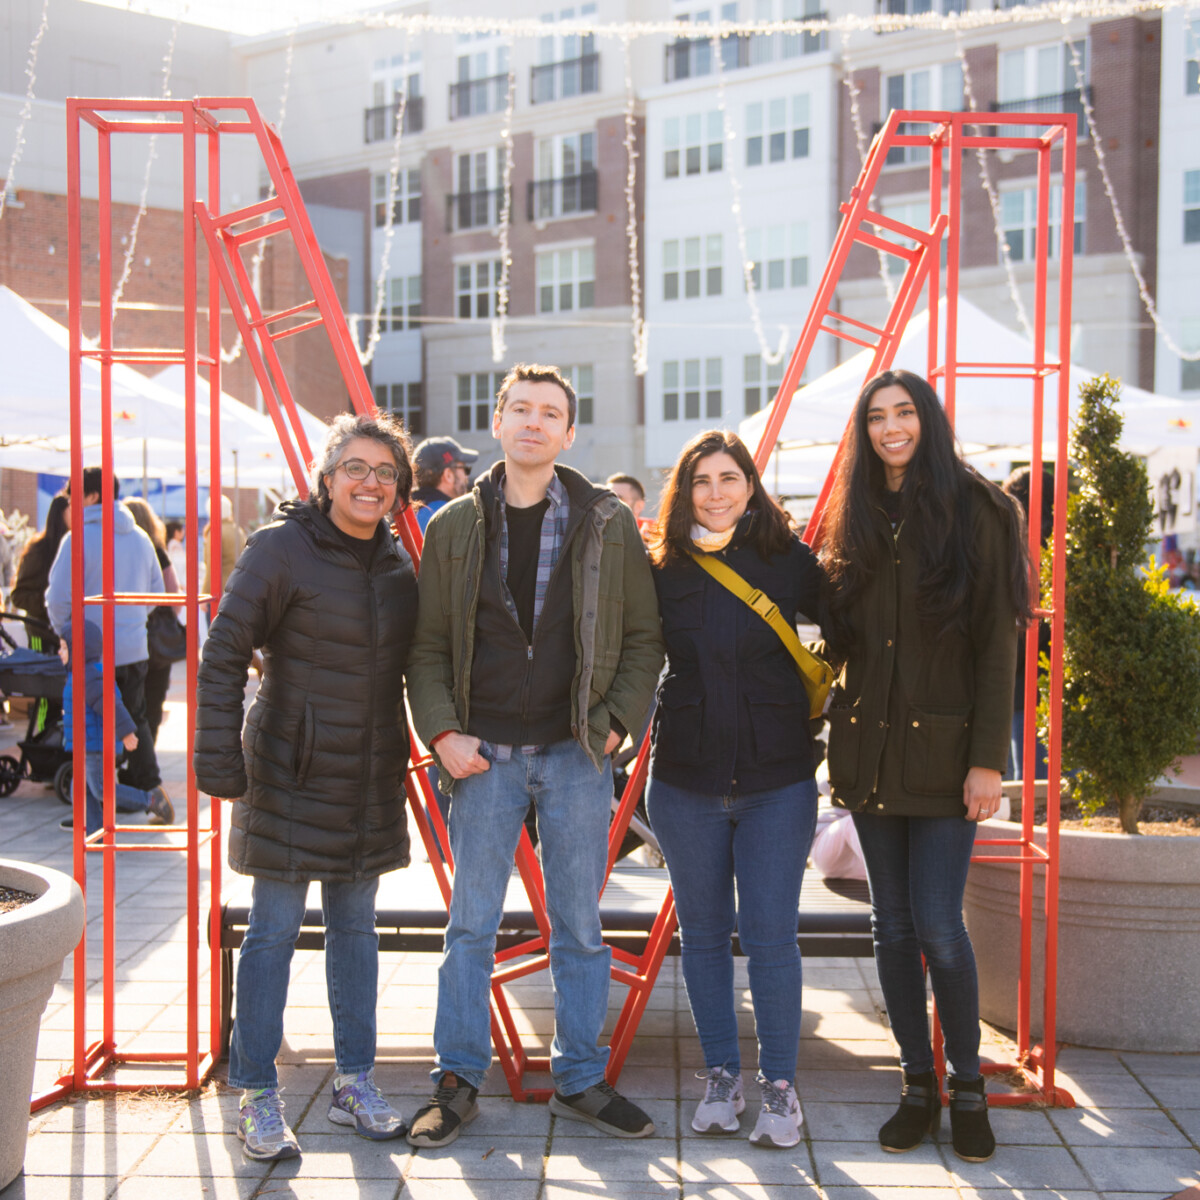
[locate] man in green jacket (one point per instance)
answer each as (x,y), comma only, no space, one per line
(537,648)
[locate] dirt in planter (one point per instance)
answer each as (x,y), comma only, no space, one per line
(1157,819)
(11,898)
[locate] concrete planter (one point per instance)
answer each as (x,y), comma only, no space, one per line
(34,940)
(1129,939)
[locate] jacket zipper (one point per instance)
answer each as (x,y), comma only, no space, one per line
(372,621)
(896,583)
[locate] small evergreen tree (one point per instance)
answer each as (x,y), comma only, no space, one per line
(1131,655)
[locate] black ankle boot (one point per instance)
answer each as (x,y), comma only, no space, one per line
(970,1132)
(920,1112)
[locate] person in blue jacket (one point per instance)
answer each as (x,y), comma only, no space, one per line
(731,797)
(128,799)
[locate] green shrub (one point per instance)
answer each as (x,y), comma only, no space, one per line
(1131,658)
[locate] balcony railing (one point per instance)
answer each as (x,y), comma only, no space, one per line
(379,123)
(1062,102)
(686,58)
(562,80)
(474,210)
(474,97)
(562,197)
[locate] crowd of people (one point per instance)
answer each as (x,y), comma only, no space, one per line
(551,621)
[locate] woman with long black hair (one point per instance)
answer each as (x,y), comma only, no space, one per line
(731,795)
(929,587)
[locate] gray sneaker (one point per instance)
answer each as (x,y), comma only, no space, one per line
(361,1104)
(161,810)
(265,1134)
(604,1107)
(778,1124)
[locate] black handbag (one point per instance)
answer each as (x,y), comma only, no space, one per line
(166,638)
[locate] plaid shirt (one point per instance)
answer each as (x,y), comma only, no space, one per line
(554,530)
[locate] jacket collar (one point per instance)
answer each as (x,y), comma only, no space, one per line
(582,494)
(323,531)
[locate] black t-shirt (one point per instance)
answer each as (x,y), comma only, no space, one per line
(892,504)
(524,545)
(363,547)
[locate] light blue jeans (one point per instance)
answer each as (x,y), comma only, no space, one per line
(573,803)
(760,840)
(264,968)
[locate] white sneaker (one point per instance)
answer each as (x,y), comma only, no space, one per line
(778,1125)
(723,1099)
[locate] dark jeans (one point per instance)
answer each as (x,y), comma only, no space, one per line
(141,767)
(917,869)
(158,681)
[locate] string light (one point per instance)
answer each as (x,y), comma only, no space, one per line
(389,227)
(27,107)
(1126,242)
(144,200)
(636,319)
(985,175)
(498,346)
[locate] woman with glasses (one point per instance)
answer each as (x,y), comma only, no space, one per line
(329,596)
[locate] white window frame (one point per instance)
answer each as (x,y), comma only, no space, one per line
(474,399)
(566,277)
(778,129)
(407,205)
(783,251)
(1191,206)
(403,399)
(582,377)
(476,288)
(1024,224)
(403,309)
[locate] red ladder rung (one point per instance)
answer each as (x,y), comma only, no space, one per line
(279,316)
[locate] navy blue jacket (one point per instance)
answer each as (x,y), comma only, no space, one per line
(732,713)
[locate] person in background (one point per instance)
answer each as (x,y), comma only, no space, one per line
(156,802)
(330,596)
(177,550)
(629,491)
(136,571)
(233,541)
(929,585)
(158,675)
(443,471)
(732,796)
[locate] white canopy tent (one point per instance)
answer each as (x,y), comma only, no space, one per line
(148,414)
(993,416)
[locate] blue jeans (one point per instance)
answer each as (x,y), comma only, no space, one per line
(761,841)
(127,799)
(917,869)
(573,802)
(1016,752)
(264,965)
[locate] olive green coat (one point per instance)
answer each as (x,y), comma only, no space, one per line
(911,711)
(618,636)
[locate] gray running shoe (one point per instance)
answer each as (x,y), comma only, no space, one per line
(778,1124)
(723,1100)
(264,1133)
(604,1107)
(361,1104)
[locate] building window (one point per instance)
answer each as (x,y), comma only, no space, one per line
(1189,376)
(1191,206)
(712,264)
(406,401)
(479,200)
(760,382)
(476,394)
(693,144)
(702,267)
(568,64)
(482,85)
(784,133)
(1192,52)
(939,87)
(691,389)
(392,80)
(713,406)
(404,304)
(1042,79)
(407,205)
(701,380)
(581,378)
(670,391)
(778,256)
(566,177)
(1018,216)
(566,279)
(475,288)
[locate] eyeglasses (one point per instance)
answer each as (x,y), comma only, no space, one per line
(357,469)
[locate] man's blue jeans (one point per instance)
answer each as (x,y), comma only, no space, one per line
(573,802)
(761,840)
(264,966)
(917,869)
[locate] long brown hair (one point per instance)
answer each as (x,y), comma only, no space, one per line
(771,531)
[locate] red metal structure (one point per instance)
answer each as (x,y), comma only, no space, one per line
(202,125)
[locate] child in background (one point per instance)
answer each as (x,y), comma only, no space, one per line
(129,799)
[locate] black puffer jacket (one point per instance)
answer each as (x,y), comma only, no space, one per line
(319,770)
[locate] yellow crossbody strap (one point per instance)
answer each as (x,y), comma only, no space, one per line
(816,672)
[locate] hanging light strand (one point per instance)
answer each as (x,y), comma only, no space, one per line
(637,322)
(152,153)
(26,107)
(389,226)
(985,176)
(1126,242)
(771,357)
(499,348)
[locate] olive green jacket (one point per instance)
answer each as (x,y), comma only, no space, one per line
(911,712)
(618,637)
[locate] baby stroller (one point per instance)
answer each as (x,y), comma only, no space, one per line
(36,675)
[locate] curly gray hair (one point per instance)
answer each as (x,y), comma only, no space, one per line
(343,429)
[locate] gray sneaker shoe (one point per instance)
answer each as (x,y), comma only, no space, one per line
(361,1104)
(161,810)
(604,1107)
(723,1100)
(264,1133)
(778,1124)
(440,1121)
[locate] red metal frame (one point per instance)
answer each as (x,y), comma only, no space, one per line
(202,124)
